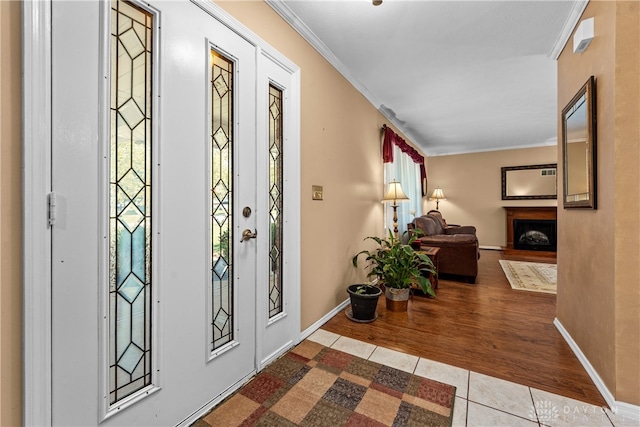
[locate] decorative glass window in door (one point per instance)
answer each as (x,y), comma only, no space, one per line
(130,281)
(221,125)
(275,201)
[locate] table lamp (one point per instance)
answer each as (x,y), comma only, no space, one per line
(437,195)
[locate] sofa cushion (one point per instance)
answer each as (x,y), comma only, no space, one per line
(461,229)
(428,225)
(438,217)
(449,238)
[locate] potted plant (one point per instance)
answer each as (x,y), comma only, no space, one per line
(399,267)
(364,301)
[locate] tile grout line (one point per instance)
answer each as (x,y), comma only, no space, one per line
(466,415)
(535,409)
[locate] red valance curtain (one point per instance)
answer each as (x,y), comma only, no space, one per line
(391,138)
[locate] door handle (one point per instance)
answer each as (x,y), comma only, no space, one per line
(248,234)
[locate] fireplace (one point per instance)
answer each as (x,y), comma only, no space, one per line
(534,234)
(537,229)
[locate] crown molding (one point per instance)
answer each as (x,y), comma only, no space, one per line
(572,20)
(285,12)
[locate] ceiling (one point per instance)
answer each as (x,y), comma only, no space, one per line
(454,76)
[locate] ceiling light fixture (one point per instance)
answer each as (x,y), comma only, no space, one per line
(377,2)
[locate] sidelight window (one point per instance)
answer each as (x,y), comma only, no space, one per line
(130,282)
(221,125)
(275,201)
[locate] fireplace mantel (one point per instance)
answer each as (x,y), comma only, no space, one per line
(526,212)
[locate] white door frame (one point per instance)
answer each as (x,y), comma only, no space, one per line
(37,186)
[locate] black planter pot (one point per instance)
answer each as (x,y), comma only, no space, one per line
(363,305)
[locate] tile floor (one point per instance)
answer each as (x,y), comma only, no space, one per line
(482,400)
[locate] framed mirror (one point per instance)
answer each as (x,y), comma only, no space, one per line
(579,148)
(529,182)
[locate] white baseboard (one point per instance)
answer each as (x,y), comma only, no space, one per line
(623,410)
(492,248)
(213,402)
(324,319)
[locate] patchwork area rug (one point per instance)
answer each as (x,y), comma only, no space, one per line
(531,276)
(313,385)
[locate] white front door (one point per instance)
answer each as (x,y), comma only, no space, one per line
(153,163)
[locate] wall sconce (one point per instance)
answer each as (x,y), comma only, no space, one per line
(583,36)
(437,195)
(393,194)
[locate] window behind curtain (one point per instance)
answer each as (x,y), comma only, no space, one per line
(404,170)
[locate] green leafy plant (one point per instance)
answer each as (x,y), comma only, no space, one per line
(398,265)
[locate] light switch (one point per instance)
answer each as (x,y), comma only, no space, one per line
(316,192)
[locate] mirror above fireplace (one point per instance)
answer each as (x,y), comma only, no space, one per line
(529,182)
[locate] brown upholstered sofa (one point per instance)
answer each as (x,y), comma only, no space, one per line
(458,245)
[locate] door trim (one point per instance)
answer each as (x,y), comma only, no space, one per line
(36,130)
(36,157)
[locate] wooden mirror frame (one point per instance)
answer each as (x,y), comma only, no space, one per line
(586,199)
(507,169)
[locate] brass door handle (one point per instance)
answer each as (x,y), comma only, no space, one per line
(248,234)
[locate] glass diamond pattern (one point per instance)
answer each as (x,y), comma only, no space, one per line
(221,138)
(220,268)
(275,214)
(130,358)
(131,217)
(221,192)
(221,319)
(275,253)
(131,113)
(131,288)
(274,151)
(274,193)
(274,297)
(131,184)
(132,43)
(275,110)
(221,85)
(220,217)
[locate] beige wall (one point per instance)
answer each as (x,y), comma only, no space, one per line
(627,202)
(473,186)
(340,150)
(10,215)
(598,250)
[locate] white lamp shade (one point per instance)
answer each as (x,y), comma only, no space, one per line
(438,194)
(394,192)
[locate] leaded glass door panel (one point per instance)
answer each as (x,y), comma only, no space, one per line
(153,159)
(278,322)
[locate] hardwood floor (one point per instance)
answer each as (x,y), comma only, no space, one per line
(487,328)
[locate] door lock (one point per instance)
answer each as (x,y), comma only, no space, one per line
(248,234)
